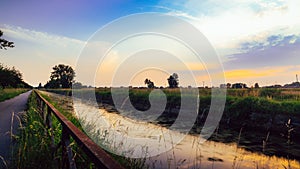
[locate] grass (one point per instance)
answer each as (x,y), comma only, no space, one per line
(257,117)
(126,162)
(6,94)
(67,113)
(279,94)
(257,111)
(241,104)
(32,150)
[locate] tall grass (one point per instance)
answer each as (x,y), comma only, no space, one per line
(32,150)
(10,93)
(81,159)
(261,114)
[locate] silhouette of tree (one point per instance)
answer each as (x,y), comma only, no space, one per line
(77,85)
(40,85)
(173,80)
(149,83)
(61,77)
(228,85)
(239,86)
(5,43)
(256,85)
(10,77)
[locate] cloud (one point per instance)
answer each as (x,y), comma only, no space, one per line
(275,50)
(227,23)
(247,73)
(264,76)
(248,34)
(38,37)
(271,41)
(35,52)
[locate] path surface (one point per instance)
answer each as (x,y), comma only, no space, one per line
(15,106)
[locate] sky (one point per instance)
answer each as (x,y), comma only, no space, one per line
(256,40)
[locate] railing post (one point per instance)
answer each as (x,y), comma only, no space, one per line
(49,126)
(43,109)
(98,156)
(67,154)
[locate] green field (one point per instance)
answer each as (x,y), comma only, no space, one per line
(33,149)
(10,93)
(251,116)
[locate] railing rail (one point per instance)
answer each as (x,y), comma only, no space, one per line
(97,155)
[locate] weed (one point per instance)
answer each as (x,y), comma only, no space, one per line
(10,93)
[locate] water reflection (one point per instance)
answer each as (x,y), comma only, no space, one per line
(128,137)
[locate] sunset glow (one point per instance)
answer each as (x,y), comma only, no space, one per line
(257,41)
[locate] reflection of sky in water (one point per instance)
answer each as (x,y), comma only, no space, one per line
(139,139)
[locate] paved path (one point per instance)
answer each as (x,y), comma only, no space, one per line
(9,107)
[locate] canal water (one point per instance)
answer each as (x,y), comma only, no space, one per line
(163,148)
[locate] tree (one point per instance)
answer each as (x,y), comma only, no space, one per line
(11,77)
(77,85)
(239,86)
(256,85)
(61,77)
(228,85)
(149,83)
(5,43)
(173,80)
(40,85)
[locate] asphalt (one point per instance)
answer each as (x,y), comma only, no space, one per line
(9,123)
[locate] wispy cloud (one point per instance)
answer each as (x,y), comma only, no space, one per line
(257,40)
(264,76)
(273,51)
(271,41)
(38,37)
(35,52)
(227,23)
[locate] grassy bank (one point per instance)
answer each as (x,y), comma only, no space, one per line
(6,94)
(258,117)
(33,148)
(64,105)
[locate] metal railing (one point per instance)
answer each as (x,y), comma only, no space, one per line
(97,155)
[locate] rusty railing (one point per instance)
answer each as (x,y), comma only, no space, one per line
(97,155)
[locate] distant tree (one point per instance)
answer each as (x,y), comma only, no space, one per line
(222,86)
(228,85)
(52,84)
(40,85)
(5,43)
(149,83)
(61,77)
(173,80)
(256,85)
(239,85)
(78,85)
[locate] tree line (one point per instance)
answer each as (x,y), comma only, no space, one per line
(63,76)
(173,81)
(11,78)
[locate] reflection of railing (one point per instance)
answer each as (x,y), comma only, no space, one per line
(97,155)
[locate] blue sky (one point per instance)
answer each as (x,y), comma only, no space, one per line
(76,19)
(257,41)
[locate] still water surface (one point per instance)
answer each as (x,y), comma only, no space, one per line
(164,148)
